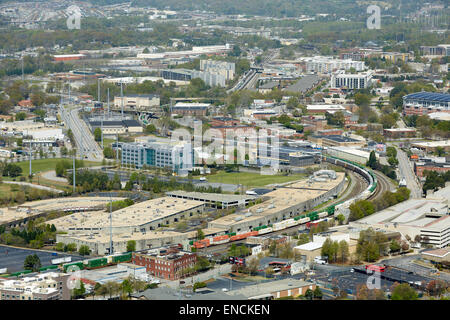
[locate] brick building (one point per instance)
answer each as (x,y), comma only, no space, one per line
(166,262)
(428,165)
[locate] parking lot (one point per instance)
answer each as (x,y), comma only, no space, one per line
(13,258)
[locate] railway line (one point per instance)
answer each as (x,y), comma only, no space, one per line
(383,185)
(365,184)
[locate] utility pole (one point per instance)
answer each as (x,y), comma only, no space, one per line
(101,126)
(117,148)
(108,104)
(69,91)
(23,77)
(31,154)
(98,91)
(74,169)
(121,96)
(111,250)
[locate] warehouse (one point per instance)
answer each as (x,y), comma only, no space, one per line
(214,199)
(427,218)
(350,154)
(283,203)
(14,216)
(141,217)
(99,243)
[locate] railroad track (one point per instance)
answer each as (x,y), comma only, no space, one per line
(360,184)
(383,185)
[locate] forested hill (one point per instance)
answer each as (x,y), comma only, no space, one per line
(274,8)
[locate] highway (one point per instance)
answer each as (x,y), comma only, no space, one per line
(87,147)
(406,171)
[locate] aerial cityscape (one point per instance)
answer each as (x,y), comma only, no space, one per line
(224,150)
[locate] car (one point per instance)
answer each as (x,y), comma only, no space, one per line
(224,289)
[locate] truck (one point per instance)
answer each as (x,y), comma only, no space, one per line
(320,260)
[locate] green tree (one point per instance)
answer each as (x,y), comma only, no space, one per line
(200,234)
(84,250)
(20,116)
(131,245)
(98,134)
(403,292)
(32,262)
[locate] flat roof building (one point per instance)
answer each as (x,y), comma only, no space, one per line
(421,103)
(141,217)
(214,199)
(283,203)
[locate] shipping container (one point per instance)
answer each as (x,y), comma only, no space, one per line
(122,258)
(76,265)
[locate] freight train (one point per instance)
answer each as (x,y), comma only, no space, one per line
(310,219)
(97,262)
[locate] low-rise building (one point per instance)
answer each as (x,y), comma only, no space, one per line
(190,109)
(168,262)
(137,102)
(44,286)
(423,165)
(350,154)
(396,133)
(432,145)
(421,103)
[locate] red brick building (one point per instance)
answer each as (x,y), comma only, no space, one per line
(223,121)
(421,167)
(167,263)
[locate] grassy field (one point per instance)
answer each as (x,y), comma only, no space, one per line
(42,165)
(251,179)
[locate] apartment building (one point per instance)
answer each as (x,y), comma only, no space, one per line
(343,80)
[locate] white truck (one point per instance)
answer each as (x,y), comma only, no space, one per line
(320,260)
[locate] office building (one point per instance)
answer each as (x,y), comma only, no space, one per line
(177,156)
(346,81)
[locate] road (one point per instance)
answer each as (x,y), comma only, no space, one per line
(87,146)
(407,172)
(31,185)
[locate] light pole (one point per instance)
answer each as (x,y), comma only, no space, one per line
(31,154)
(74,169)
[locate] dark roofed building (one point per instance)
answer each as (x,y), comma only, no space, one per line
(425,102)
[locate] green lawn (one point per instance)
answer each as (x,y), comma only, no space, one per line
(42,165)
(251,179)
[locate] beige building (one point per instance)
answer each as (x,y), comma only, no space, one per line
(46,286)
(137,102)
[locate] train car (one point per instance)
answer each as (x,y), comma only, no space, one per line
(220,239)
(126,257)
(96,263)
(278,226)
(323,214)
(74,266)
(243,235)
(303,220)
(199,245)
(265,230)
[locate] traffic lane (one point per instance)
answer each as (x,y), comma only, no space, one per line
(14,258)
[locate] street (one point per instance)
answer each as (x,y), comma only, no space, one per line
(406,171)
(87,146)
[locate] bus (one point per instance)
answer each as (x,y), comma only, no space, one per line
(374,267)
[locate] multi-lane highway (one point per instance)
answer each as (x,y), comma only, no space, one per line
(86,145)
(406,171)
